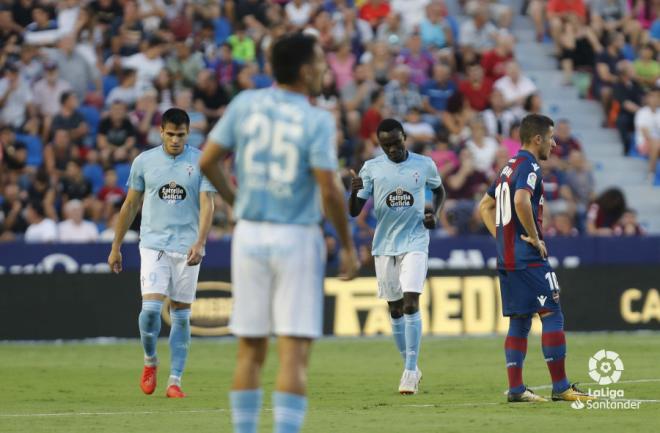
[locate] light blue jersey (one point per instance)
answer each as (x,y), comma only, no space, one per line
(399,191)
(171,186)
(278,138)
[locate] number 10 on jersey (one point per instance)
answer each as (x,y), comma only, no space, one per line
(502,204)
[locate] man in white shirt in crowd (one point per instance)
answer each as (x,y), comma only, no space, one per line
(74,229)
(41,229)
(647,130)
(515,88)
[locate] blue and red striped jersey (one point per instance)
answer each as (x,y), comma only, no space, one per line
(521,172)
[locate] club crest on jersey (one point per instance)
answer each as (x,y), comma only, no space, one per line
(416,177)
(399,199)
(531,180)
(172,192)
(190,169)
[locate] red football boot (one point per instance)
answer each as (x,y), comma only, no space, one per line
(148,382)
(174,391)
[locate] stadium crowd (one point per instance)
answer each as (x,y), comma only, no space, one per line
(84,84)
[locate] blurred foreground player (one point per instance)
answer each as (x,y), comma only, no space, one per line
(176,219)
(285,160)
(398,181)
(512,210)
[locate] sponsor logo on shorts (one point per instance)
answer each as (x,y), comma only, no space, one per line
(400,199)
(172,193)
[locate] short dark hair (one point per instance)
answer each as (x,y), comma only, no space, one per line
(533,125)
(389,125)
(176,117)
(289,53)
(65,96)
(375,94)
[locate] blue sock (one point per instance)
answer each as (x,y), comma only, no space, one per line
(245,409)
(413,334)
(179,341)
(515,349)
(399,334)
(149,321)
(289,411)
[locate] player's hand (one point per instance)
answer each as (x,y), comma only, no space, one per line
(356,182)
(349,264)
(536,243)
(430,220)
(555,296)
(195,254)
(114,260)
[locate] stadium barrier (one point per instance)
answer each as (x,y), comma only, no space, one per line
(50,306)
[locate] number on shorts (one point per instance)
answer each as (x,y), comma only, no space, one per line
(502,204)
(552,280)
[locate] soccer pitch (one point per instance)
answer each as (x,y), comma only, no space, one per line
(75,387)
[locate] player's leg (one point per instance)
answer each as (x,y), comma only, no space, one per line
(412,276)
(518,304)
(246,396)
(182,295)
(250,321)
(297,319)
(389,288)
(154,280)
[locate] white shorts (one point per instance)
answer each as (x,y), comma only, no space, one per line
(277,279)
(399,274)
(168,274)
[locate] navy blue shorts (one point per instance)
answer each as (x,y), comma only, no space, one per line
(528,291)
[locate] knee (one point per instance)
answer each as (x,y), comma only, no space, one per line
(396,311)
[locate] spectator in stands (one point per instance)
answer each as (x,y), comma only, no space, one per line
(349,26)
(494,61)
(628,94)
(561,225)
(380,61)
(476,35)
(647,130)
(605,77)
(198,124)
(445,159)
(74,229)
(566,142)
(70,119)
(556,192)
(436,92)
(209,97)
(126,91)
(578,47)
(185,64)
(48,93)
(43,29)
(74,186)
(647,68)
(373,116)
(12,221)
(433,28)
(374,11)
(392,32)
(298,13)
(146,120)
(533,104)
(605,212)
(341,64)
(226,70)
(515,88)
(418,59)
(41,229)
(580,178)
(417,131)
(401,94)
(498,119)
(242,46)
(147,63)
(115,132)
(15,98)
(108,234)
(628,225)
(13,155)
(482,147)
(560,11)
(10,31)
(75,69)
(512,142)
(59,152)
(613,15)
(110,195)
(356,96)
(476,88)
(29,66)
(456,119)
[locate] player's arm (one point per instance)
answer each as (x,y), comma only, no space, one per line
(333,203)
(215,172)
(487,212)
(430,219)
(522,201)
(127,214)
(206,208)
(355,203)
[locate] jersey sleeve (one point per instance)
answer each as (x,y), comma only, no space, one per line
(222,134)
(136,175)
(367,181)
(323,150)
(527,178)
(433,180)
(206,185)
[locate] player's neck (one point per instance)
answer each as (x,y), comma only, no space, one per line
(294,88)
(405,158)
(534,152)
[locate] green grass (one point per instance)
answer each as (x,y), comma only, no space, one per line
(353,383)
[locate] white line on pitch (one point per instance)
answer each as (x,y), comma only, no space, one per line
(146,412)
(594,383)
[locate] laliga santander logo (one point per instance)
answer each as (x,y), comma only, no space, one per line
(605,367)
